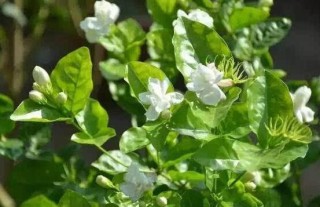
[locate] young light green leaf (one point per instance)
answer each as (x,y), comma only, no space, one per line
(93,120)
(29,110)
(39,201)
(162,12)
(71,198)
(138,75)
(72,75)
(190,50)
(11,148)
(159,47)
(133,139)
(246,16)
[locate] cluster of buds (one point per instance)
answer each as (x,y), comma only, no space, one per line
(42,88)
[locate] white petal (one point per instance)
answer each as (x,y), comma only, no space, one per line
(129,189)
(152,114)
(299,115)
(175,97)
(307,114)
(165,85)
(212,97)
(154,86)
(145,97)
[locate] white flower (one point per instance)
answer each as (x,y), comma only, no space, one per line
(136,182)
(95,27)
(158,98)
(300,98)
(198,16)
(204,82)
(41,77)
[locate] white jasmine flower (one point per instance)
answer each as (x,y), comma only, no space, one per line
(136,182)
(95,27)
(158,98)
(37,96)
(41,77)
(198,16)
(300,98)
(204,82)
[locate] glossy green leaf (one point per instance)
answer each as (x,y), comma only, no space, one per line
(38,201)
(112,69)
(159,47)
(29,110)
(190,50)
(190,176)
(71,198)
(124,40)
(162,12)
(218,155)
(93,120)
(191,198)
(138,75)
(133,139)
(111,163)
(246,16)
(72,75)
(158,133)
(268,97)
(6,108)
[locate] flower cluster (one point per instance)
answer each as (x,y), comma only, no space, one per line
(105,14)
(42,88)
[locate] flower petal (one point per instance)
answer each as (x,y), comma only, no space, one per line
(175,97)
(145,98)
(301,96)
(211,97)
(152,114)
(307,114)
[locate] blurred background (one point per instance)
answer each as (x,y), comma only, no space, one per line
(49,29)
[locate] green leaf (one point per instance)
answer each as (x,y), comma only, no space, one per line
(138,76)
(71,198)
(72,75)
(254,158)
(162,12)
(6,108)
(191,198)
(11,148)
(181,151)
(29,110)
(133,139)
(112,69)
(124,40)
(246,16)
(38,201)
(269,197)
(158,133)
(190,50)
(218,155)
(268,97)
(159,47)
(22,183)
(93,120)
(110,163)
(190,176)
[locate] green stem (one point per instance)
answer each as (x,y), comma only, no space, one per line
(237,179)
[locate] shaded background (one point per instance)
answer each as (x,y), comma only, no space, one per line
(297,54)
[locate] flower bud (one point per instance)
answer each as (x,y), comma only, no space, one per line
(267,3)
(250,186)
(161,201)
(104,182)
(40,76)
(166,114)
(36,96)
(225,83)
(61,98)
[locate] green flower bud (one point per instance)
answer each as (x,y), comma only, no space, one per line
(104,182)
(61,98)
(166,114)
(37,96)
(41,77)
(161,201)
